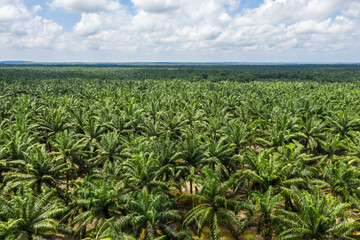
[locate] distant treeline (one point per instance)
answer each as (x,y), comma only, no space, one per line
(215,73)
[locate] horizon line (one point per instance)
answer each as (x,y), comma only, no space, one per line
(22,62)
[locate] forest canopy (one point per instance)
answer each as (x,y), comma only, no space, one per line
(180,152)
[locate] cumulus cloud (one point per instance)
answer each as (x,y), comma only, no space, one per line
(10,12)
(85,6)
(210,27)
(211,30)
(20,27)
(90,23)
(157,6)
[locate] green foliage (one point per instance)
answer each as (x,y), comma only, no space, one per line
(319,217)
(26,216)
(167,152)
(213,208)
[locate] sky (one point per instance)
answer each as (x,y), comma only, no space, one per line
(180,30)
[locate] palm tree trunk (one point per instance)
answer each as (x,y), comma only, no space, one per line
(191,192)
(289,204)
(267,229)
(67,189)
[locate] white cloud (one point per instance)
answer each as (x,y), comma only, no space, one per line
(85,6)
(90,23)
(11,12)
(157,6)
(20,27)
(208,30)
(37,8)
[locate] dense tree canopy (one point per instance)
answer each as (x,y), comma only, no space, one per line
(179,153)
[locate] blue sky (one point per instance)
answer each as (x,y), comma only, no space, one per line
(69,19)
(59,15)
(180,30)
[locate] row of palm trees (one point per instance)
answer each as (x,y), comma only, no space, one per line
(171,159)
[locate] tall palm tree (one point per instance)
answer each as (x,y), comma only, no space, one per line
(297,164)
(214,209)
(152,128)
(238,135)
(40,171)
(313,129)
(193,152)
(110,230)
(194,115)
(332,149)
(108,148)
(265,205)
(143,171)
(71,150)
(151,215)
(51,121)
(218,154)
(283,129)
(341,179)
(94,202)
(173,123)
(318,217)
(264,170)
(92,131)
(344,123)
(26,216)
(215,123)
(118,123)
(16,145)
(167,153)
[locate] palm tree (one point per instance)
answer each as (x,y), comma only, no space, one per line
(173,123)
(283,129)
(152,128)
(167,153)
(154,109)
(71,150)
(40,172)
(214,208)
(264,170)
(215,123)
(151,216)
(353,147)
(78,114)
(193,153)
(313,129)
(265,204)
(118,123)
(92,131)
(134,114)
(237,134)
(318,217)
(344,123)
(16,145)
(297,164)
(94,202)
(332,149)
(110,230)
(51,121)
(341,179)
(108,148)
(218,154)
(26,216)
(143,171)
(194,115)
